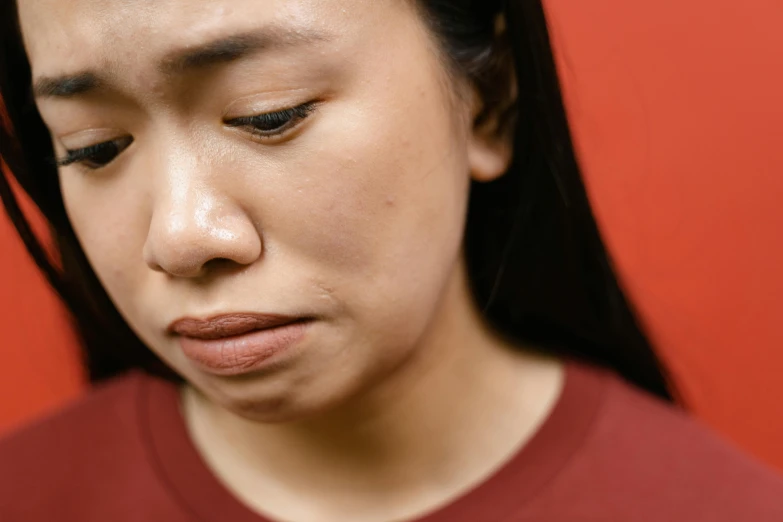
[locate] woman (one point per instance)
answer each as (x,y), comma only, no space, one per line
(337,262)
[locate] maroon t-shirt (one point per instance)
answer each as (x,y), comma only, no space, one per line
(606,453)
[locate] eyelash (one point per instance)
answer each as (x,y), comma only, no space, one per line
(93,152)
(273,124)
(264,126)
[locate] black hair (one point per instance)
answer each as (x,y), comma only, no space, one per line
(537,266)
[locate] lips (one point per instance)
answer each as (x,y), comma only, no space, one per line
(239,343)
(228,325)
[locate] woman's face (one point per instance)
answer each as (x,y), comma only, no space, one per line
(301,158)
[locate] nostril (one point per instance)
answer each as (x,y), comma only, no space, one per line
(218,264)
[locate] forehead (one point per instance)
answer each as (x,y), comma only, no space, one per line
(63,35)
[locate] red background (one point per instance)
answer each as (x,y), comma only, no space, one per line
(676,109)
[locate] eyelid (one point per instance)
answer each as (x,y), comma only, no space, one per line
(88,137)
(82,154)
(295,115)
(267,102)
(302,109)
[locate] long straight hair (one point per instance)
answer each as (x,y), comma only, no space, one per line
(537,266)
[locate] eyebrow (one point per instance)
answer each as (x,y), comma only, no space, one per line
(220,51)
(66,86)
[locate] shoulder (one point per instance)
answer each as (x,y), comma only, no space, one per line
(652,461)
(85,449)
(101,417)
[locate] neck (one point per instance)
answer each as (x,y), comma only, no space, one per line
(461,407)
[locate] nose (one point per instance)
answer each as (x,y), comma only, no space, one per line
(192,226)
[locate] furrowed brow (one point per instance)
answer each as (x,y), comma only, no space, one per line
(222,50)
(231,48)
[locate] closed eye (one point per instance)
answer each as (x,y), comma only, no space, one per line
(267,125)
(96,156)
(272,124)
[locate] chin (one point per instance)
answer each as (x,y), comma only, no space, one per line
(271,400)
(299,388)
(267,410)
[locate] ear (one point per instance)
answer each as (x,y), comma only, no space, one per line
(491,142)
(489,154)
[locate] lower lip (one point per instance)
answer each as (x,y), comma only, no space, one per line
(244,353)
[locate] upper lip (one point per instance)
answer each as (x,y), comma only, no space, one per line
(228,325)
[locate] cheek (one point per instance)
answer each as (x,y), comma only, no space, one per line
(380,213)
(108,217)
